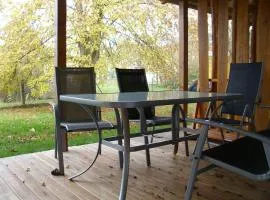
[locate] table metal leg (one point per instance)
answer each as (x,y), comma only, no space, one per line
(125,172)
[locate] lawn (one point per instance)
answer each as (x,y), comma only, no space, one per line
(31,129)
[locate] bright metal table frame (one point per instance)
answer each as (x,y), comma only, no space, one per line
(140,100)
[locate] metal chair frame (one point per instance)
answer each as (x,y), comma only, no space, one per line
(199,154)
(217,112)
(91,120)
(154,121)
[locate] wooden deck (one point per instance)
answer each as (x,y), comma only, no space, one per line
(28,177)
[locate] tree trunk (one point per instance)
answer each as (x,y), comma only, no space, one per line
(22,93)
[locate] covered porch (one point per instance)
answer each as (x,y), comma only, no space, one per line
(27,177)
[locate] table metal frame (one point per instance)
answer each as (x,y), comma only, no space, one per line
(124,149)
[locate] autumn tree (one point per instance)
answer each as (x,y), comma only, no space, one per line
(100,33)
(26,56)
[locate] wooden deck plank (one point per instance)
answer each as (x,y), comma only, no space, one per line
(27,179)
(16,185)
(6,192)
(45,179)
(77,190)
(165,179)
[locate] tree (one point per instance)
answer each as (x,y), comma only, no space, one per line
(100,33)
(26,56)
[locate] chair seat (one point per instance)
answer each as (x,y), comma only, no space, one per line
(86,126)
(245,153)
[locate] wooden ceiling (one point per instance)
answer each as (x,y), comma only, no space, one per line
(193,3)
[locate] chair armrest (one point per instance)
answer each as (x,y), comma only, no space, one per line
(253,135)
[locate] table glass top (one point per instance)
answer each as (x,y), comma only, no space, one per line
(137,99)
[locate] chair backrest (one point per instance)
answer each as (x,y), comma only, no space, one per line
(134,80)
(74,81)
(244,78)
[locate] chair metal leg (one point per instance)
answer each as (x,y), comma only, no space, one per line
(185,126)
(144,132)
(60,171)
(195,162)
(175,126)
(120,134)
(152,137)
(125,172)
(222,135)
(55,143)
(99,151)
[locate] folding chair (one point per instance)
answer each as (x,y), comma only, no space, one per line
(244,78)
(248,156)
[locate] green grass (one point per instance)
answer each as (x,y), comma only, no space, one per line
(31,129)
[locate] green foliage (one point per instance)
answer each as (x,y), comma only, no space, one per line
(26,55)
(100,33)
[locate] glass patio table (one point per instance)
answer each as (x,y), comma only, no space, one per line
(139,100)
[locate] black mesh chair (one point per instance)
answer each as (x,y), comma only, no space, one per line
(248,156)
(244,78)
(70,117)
(134,80)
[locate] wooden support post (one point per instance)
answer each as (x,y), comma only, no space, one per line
(60,44)
(241,31)
(263,55)
(183,46)
(60,24)
(234,25)
(214,9)
(203,50)
(222,42)
(253,39)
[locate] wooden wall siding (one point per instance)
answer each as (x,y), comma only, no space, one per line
(222,42)
(203,49)
(183,44)
(263,54)
(242,31)
(60,29)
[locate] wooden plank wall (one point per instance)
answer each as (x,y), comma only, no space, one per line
(263,54)
(203,50)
